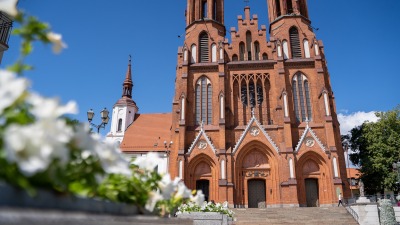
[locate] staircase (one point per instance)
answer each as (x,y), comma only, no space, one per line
(298,216)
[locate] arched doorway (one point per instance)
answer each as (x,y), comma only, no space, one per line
(311,173)
(312,193)
(254,176)
(202,176)
(256,193)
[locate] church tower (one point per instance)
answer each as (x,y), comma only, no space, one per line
(254,120)
(124,110)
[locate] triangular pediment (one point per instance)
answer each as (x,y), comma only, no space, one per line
(202,142)
(309,138)
(254,129)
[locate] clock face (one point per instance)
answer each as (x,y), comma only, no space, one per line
(254,131)
(202,144)
(309,141)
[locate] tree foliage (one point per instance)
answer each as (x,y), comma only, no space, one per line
(376,146)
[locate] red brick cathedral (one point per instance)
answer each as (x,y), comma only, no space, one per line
(254,120)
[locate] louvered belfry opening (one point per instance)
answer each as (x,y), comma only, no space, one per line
(295,42)
(204,51)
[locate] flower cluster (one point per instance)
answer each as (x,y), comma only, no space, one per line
(206,207)
(42,148)
(170,193)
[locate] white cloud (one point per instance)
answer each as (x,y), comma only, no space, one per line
(348,122)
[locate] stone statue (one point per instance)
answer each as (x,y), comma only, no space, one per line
(361,186)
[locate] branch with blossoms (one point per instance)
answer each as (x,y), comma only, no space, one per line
(30,29)
(40,148)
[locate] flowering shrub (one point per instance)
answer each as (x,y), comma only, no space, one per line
(206,207)
(41,148)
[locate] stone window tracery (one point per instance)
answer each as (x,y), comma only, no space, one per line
(203,101)
(301,98)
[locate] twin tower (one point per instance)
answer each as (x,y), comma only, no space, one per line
(253,120)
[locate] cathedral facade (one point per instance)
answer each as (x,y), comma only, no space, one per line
(254,120)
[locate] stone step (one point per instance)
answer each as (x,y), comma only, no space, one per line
(298,216)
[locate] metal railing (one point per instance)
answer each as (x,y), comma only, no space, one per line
(352,212)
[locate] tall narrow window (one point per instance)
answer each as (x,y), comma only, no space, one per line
(119,125)
(241,51)
(289,6)
(285,50)
(213,53)
(203,101)
(215,10)
(194,54)
(308,101)
(256,50)
(204,51)
(204,9)
(248,45)
(278,7)
(209,104)
(223,170)
(301,98)
(306,49)
(295,42)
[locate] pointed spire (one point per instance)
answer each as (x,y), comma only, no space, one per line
(307,122)
(128,84)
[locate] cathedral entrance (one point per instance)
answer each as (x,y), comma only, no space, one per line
(256,193)
(312,192)
(204,186)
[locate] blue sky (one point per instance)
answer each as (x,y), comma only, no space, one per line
(360,39)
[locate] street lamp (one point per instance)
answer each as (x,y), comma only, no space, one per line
(346,149)
(104,119)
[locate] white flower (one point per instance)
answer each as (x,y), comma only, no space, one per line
(56,39)
(11,88)
(154,197)
(183,191)
(167,186)
(33,147)
(225,205)
(111,159)
(198,199)
(9,7)
(148,162)
(49,108)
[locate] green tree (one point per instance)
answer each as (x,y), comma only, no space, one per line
(376,146)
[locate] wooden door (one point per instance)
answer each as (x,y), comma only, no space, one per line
(204,185)
(256,193)
(312,194)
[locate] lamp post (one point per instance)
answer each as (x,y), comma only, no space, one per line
(346,149)
(168,146)
(104,119)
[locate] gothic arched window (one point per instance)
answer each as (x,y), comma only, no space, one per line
(278,8)
(204,9)
(265,56)
(289,6)
(234,58)
(295,42)
(203,101)
(204,49)
(248,45)
(301,98)
(241,51)
(119,125)
(256,50)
